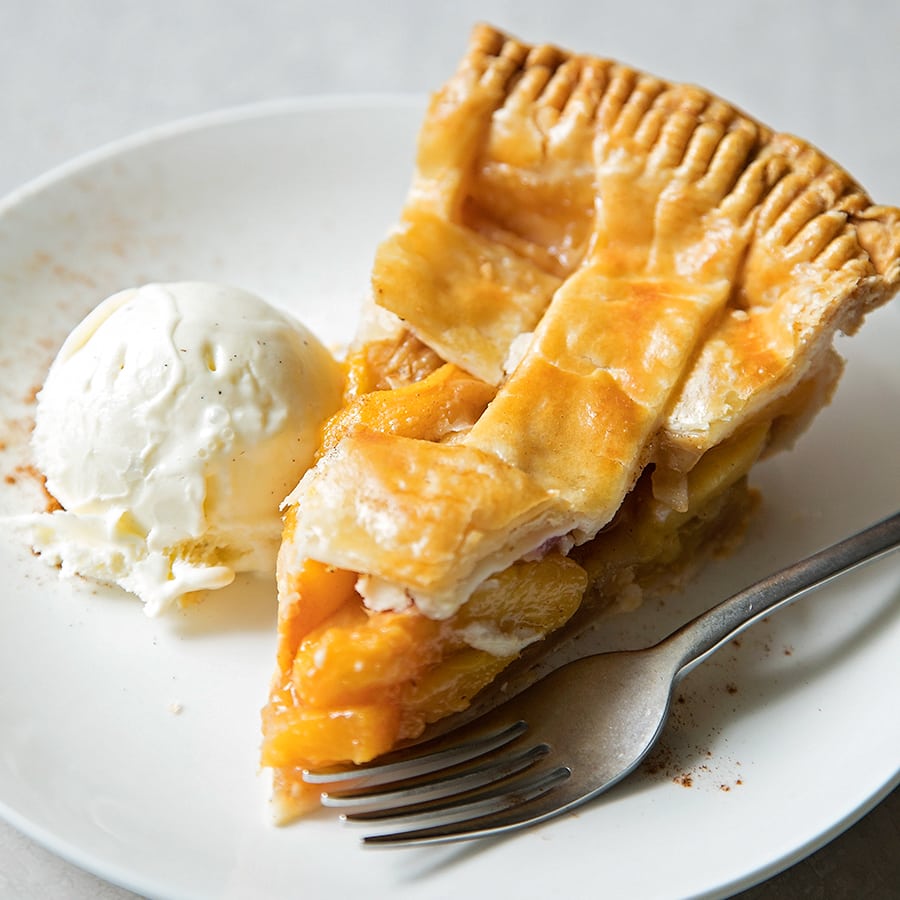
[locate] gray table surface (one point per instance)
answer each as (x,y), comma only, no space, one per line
(74,75)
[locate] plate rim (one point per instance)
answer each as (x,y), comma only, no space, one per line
(201,121)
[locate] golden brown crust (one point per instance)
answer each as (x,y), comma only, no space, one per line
(420,515)
(469,297)
(564,161)
(683,268)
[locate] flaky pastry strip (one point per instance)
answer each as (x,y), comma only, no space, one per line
(541,126)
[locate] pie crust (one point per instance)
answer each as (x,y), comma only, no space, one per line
(606,297)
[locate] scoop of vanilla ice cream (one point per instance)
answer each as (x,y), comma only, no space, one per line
(173,422)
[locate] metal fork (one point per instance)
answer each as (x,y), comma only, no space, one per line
(573,734)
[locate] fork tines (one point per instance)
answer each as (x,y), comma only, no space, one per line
(453,791)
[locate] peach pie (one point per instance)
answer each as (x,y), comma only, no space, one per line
(606,297)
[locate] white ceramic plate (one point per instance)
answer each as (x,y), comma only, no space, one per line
(779,743)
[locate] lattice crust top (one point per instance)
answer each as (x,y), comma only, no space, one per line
(641,271)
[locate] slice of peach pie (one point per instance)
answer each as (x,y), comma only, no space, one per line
(606,298)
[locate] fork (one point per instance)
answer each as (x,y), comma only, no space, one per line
(580,729)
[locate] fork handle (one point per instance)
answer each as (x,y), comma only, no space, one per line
(698,639)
